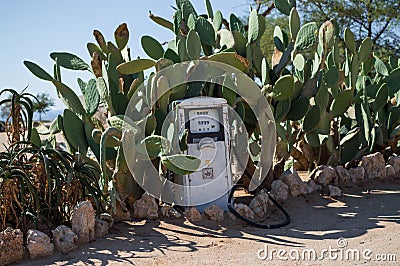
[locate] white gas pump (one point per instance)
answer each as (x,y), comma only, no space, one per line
(210,137)
(207,123)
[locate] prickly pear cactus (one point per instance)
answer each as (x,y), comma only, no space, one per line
(340,106)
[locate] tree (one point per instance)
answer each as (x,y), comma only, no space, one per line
(43,104)
(376,19)
(5,110)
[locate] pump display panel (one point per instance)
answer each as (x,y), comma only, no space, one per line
(204,121)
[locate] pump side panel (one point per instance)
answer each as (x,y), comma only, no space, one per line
(211,181)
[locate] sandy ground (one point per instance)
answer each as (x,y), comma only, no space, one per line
(4,140)
(367,217)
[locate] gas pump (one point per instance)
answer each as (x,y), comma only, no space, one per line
(209,138)
(207,123)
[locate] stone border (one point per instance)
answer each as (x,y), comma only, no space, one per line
(86,227)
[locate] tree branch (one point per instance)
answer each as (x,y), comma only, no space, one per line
(270,8)
(369,19)
(382,30)
(226,24)
(258,2)
(246,27)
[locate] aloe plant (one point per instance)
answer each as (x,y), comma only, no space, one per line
(40,184)
(19,120)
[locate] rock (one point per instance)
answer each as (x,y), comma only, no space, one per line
(121,214)
(232,216)
(103,223)
(83,221)
(270,203)
(38,244)
(215,213)
(11,246)
(324,175)
(145,208)
(169,212)
(342,174)
(357,174)
(296,185)
(311,186)
(193,215)
(108,218)
(244,211)
(334,191)
(374,165)
(101,228)
(164,210)
(259,204)
(279,190)
(64,239)
(390,170)
(395,162)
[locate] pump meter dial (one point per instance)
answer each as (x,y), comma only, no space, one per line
(204,121)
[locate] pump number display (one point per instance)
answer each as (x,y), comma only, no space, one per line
(204,121)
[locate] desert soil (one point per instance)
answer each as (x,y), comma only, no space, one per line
(367,217)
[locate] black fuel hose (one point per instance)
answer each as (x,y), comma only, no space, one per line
(232,209)
(265,226)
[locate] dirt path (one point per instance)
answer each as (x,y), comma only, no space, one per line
(367,218)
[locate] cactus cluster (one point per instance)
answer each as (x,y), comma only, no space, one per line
(340,105)
(98,123)
(338,101)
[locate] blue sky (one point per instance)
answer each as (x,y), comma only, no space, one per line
(31,30)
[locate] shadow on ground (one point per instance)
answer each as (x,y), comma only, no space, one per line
(315,217)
